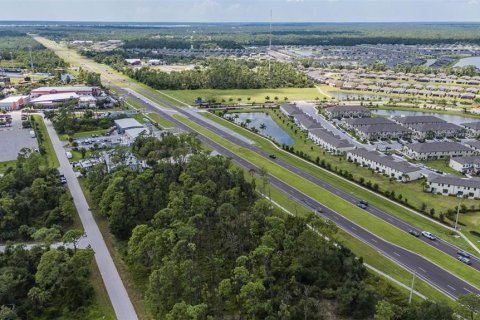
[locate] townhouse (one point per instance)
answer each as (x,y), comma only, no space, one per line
(377,128)
(387,165)
(290,109)
(305,122)
(330,142)
(339,112)
(472,129)
(437,130)
(437,150)
(470,165)
(454,186)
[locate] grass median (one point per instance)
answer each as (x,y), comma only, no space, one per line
(348,210)
(46,143)
(394,209)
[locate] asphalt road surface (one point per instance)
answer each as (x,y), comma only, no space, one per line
(122,305)
(424,269)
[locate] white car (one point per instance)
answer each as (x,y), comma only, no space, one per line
(428,235)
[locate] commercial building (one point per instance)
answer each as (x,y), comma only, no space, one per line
(387,165)
(125,124)
(339,112)
(80,90)
(12,103)
(455,186)
(437,150)
(330,142)
(53,100)
(470,165)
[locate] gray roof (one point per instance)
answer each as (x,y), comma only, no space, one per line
(330,138)
(472,125)
(127,123)
(437,147)
(467,160)
(418,119)
(425,127)
(456,181)
(307,121)
(368,121)
(383,127)
(291,108)
(388,161)
(348,109)
(474,144)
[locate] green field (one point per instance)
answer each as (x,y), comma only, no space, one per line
(162,122)
(46,142)
(7,164)
(408,191)
(442,165)
(255,95)
(350,211)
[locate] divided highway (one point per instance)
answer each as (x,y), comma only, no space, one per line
(424,269)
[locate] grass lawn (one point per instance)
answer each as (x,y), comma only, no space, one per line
(139,117)
(350,211)
(255,95)
(442,165)
(7,164)
(116,248)
(46,142)
(162,122)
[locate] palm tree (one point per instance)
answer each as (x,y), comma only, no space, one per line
(267,98)
(263,126)
(247,122)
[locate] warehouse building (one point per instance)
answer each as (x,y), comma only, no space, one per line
(126,124)
(79,90)
(50,101)
(12,103)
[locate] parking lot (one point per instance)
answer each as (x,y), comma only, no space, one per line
(14,138)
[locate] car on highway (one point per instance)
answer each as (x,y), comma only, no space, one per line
(362,205)
(464,254)
(364,202)
(464,260)
(428,235)
(414,233)
(272,156)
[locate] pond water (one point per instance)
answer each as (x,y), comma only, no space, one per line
(271,130)
(357,96)
(469,61)
(447,117)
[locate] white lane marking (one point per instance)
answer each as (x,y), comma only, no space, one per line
(353,228)
(398,255)
(451,287)
(422,269)
(467,290)
(374,240)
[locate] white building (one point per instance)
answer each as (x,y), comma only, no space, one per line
(437,150)
(330,142)
(387,165)
(470,165)
(455,186)
(473,128)
(128,123)
(53,100)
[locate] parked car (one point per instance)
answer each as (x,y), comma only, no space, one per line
(428,235)
(464,254)
(464,260)
(414,233)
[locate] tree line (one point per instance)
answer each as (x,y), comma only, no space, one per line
(204,245)
(224,74)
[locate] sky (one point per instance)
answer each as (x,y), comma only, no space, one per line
(241,10)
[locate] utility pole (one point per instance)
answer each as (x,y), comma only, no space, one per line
(411,289)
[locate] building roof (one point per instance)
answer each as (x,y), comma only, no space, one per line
(63,89)
(426,127)
(387,161)
(347,109)
(291,108)
(444,146)
(55,97)
(467,160)
(330,138)
(135,132)
(127,123)
(368,121)
(472,125)
(383,127)
(456,181)
(307,122)
(474,144)
(418,119)
(11,99)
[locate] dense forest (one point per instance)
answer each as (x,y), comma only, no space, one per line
(66,121)
(204,245)
(33,202)
(224,74)
(15,52)
(45,283)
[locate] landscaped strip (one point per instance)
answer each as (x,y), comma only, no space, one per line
(348,210)
(45,142)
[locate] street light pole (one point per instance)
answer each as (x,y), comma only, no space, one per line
(458,213)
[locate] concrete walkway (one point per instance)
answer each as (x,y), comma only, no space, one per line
(113,283)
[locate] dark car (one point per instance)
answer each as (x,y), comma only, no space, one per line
(272,156)
(414,233)
(464,260)
(464,254)
(364,202)
(362,205)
